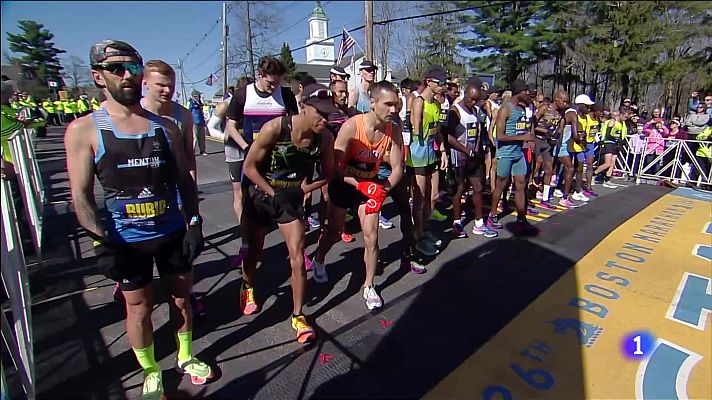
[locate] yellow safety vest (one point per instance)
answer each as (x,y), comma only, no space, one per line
(48,106)
(705,149)
(95,105)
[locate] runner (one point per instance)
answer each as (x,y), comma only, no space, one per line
(546,138)
(276,166)
(141,174)
(465,128)
(570,127)
(491,106)
(440,174)
(614,133)
(359,150)
(513,129)
(593,127)
(251,107)
(422,162)
(358,96)
(578,146)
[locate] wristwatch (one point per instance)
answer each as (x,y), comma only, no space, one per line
(196,220)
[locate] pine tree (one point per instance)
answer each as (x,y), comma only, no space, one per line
(285,56)
(441,38)
(40,61)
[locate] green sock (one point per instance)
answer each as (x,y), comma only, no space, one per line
(185,341)
(146,359)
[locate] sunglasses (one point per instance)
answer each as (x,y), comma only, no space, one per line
(322,94)
(438,82)
(120,68)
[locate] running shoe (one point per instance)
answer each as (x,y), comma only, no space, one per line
(197,306)
(523,227)
(426,247)
(152,386)
(567,203)
(313,222)
(247,300)
(433,239)
(239,257)
(458,231)
(579,196)
(590,193)
(609,185)
(199,371)
(384,223)
(118,294)
(320,275)
(558,193)
(484,231)
(436,215)
(539,195)
(203,154)
(414,266)
(547,205)
(307,262)
(531,211)
(373,300)
(305,333)
(493,222)
(347,237)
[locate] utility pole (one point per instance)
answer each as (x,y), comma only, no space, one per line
(224,48)
(182,82)
(250,55)
(369,30)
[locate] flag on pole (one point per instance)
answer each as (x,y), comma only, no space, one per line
(347,43)
(211,80)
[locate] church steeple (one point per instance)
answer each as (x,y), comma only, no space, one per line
(318,11)
(319,49)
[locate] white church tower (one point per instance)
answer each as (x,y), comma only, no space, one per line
(321,53)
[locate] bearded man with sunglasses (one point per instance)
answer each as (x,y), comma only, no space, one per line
(363,143)
(139,160)
(276,166)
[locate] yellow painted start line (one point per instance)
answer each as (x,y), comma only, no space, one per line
(652,274)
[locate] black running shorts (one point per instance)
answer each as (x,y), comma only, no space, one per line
(286,206)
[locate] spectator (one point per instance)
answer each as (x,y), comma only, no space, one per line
(676,132)
(195,105)
(655,131)
(697,121)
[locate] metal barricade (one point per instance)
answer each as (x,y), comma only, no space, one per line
(30,181)
(16,282)
(677,162)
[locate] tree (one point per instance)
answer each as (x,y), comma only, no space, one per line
(264,23)
(440,37)
(504,36)
(385,10)
(285,57)
(40,54)
(76,72)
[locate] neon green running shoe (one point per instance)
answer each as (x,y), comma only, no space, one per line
(153,386)
(199,371)
(436,215)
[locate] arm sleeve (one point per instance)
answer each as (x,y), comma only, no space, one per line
(290,102)
(236,109)
(214,127)
(453,120)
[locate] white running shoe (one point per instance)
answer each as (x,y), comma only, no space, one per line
(539,195)
(558,193)
(579,196)
(373,300)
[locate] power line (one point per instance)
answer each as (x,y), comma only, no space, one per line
(404,19)
(205,36)
(295,24)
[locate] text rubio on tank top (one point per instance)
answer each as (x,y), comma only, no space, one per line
(137,173)
(517,124)
(288,164)
(363,158)
(466,132)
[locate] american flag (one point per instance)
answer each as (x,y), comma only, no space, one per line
(347,43)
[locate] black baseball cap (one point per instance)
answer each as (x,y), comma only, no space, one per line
(518,86)
(366,64)
(336,70)
(319,97)
(436,72)
(98,53)
(473,80)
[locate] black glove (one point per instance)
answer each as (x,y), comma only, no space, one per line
(193,242)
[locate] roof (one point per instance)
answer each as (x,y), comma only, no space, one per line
(319,72)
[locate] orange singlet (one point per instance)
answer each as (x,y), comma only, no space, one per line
(363,158)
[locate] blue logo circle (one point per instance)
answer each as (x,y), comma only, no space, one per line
(637,345)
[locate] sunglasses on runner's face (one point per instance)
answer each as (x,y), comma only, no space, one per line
(121,68)
(438,82)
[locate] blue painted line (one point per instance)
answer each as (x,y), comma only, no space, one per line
(659,380)
(694,300)
(693,194)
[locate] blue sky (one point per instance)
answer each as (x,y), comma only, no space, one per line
(167,30)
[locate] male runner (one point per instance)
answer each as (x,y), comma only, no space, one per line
(359,150)
(139,160)
(593,126)
(445,102)
(490,107)
(569,125)
(251,107)
(546,137)
(578,146)
(614,133)
(513,129)
(276,166)
(465,128)
(422,161)
(358,96)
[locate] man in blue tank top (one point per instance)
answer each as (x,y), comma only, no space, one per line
(358,96)
(137,157)
(513,129)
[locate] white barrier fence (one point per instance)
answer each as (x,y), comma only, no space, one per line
(677,161)
(17,332)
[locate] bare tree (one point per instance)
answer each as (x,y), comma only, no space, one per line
(76,72)
(385,10)
(264,22)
